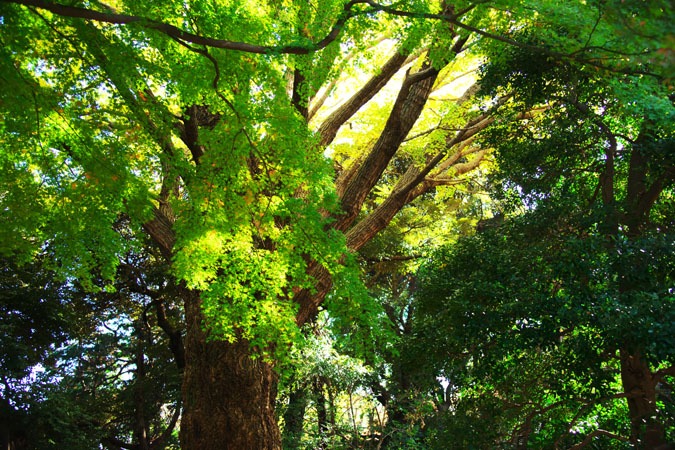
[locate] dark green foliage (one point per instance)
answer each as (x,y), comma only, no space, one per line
(40,315)
(529,316)
(534,319)
(69,363)
(35,316)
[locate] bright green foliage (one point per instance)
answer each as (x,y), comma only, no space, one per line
(89,135)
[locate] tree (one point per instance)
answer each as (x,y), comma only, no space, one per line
(532,356)
(139,112)
(82,369)
(557,322)
(35,316)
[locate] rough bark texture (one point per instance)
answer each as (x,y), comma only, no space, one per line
(407,108)
(638,379)
(299,101)
(161,231)
(228,398)
(354,186)
(329,128)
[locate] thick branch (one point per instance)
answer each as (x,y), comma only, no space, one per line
(464,136)
(402,194)
(665,372)
(316,105)
(452,159)
(414,181)
(299,101)
(158,443)
(649,198)
(407,108)
(196,116)
(161,231)
(472,128)
(461,169)
(175,338)
(405,112)
(329,128)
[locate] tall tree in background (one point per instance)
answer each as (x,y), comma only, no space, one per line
(557,325)
(81,369)
(190,120)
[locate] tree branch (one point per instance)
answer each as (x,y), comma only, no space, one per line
(665,372)
(329,128)
(586,404)
(407,108)
(170,30)
(317,104)
(405,112)
(589,438)
(159,441)
(452,18)
(177,33)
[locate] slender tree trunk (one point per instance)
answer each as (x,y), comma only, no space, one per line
(331,410)
(141,429)
(321,413)
(294,418)
(228,397)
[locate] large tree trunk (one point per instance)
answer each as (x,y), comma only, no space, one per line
(228,397)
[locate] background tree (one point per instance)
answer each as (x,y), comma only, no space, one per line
(35,315)
(557,324)
(84,370)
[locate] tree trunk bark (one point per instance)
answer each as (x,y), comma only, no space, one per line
(294,418)
(321,413)
(228,397)
(637,379)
